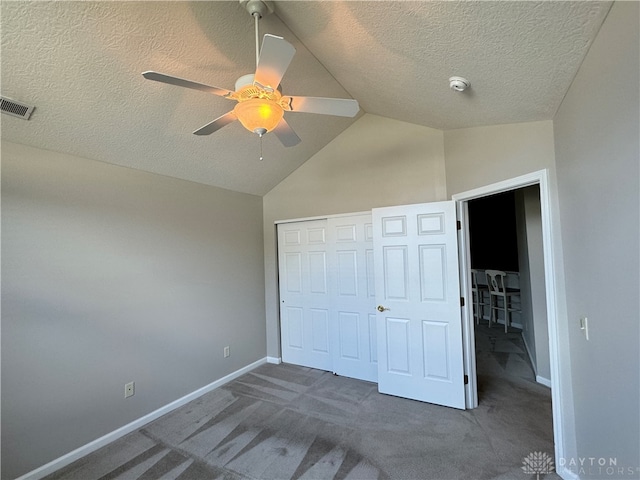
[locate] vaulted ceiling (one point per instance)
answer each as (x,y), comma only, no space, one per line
(80,64)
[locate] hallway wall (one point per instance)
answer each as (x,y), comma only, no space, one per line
(532,281)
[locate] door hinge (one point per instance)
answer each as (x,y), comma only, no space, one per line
(458,225)
(462,301)
(466,379)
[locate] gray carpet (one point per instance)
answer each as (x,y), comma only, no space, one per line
(289,422)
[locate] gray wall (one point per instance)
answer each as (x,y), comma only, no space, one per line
(376,162)
(533,218)
(480,156)
(597,136)
(526,308)
(111,275)
(532,283)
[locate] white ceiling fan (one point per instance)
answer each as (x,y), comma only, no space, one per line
(261,105)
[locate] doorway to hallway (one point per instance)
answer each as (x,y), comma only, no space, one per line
(546,268)
(505,234)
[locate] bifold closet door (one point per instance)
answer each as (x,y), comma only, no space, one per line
(304,295)
(352,296)
(327,297)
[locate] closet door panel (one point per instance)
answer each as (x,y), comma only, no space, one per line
(352,293)
(327,295)
(305,317)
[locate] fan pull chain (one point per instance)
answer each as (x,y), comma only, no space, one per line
(261,158)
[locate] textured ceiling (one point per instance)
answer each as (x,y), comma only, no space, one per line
(80,64)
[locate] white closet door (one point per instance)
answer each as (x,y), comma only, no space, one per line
(418,291)
(352,291)
(304,294)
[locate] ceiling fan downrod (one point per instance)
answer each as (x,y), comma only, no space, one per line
(257,9)
(256,18)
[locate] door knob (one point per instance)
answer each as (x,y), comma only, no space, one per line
(381,308)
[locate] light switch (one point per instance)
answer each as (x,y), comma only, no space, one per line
(584,326)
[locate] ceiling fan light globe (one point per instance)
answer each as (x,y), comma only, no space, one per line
(259,115)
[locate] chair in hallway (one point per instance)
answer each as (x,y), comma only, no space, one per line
(500,297)
(478,294)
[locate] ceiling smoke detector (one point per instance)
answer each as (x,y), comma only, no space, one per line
(459,84)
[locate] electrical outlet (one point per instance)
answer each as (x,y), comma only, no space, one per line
(226,352)
(129,389)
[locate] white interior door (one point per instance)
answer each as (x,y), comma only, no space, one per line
(416,280)
(350,241)
(304,294)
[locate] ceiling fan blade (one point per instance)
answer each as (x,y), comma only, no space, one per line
(342,107)
(181,82)
(285,134)
(275,56)
(217,124)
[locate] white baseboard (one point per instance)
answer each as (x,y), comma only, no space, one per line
(274,360)
(78,453)
(541,380)
(544,381)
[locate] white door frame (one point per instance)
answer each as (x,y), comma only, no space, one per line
(540,178)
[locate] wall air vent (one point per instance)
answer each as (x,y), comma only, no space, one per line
(17,109)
